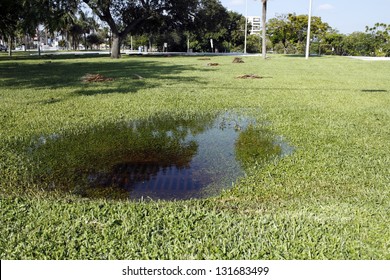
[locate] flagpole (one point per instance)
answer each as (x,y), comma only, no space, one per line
(308,31)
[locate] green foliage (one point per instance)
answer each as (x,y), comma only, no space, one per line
(279,48)
(95,40)
(333,43)
(381,34)
(288,35)
(291,30)
(210,22)
(140,17)
(17,15)
(359,43)
(234,37)
(253,44)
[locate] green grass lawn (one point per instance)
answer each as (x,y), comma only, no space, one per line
(329,199)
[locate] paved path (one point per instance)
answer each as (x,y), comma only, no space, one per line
(368,58)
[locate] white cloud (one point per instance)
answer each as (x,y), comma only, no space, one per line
(325,7)
(236,2)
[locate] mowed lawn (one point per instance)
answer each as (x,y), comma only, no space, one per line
(329,199)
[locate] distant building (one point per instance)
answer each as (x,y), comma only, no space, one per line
(255,24)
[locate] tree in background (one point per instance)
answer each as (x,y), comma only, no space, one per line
(76,31)
(289,32)
(333,43)
(11,12)
(211,21)
(280,32)
(25,16)
(95,40)
(359,44)
(125,17)
(299,29)
(87,24)
(253,44)
(234,36)
(19,16)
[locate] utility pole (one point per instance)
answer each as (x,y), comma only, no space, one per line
(246,24)
(264,22)
(308,31)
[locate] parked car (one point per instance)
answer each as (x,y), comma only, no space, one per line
(3,48)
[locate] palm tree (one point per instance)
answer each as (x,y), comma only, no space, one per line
(84,22)
(263,23)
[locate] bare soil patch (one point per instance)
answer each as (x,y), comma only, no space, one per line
(213,64)
(238,60)
(90,78)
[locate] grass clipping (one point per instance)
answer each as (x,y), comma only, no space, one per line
(90,78)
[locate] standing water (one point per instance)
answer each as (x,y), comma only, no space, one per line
(160,158)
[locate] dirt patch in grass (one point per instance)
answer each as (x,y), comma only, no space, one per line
(213,64)
(90,78)
(238,60)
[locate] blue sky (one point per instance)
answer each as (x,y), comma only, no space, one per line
(346,16)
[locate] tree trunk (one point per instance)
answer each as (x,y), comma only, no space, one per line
(9,46)
(264,21)
(285,44)
(116,44)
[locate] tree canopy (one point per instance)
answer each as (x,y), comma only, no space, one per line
(381,38)
(291,30)
(124,17)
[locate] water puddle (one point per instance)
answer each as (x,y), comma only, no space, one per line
(160,158)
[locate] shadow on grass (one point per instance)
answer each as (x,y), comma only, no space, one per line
(374,90)
(127,85)
(60,73)
(33,55)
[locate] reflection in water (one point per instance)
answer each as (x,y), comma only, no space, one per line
(160,158)
(151,180)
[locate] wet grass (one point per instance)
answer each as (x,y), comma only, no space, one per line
(330,199)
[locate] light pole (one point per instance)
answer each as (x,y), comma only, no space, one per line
(246,24)
(308,31)
(264,31)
